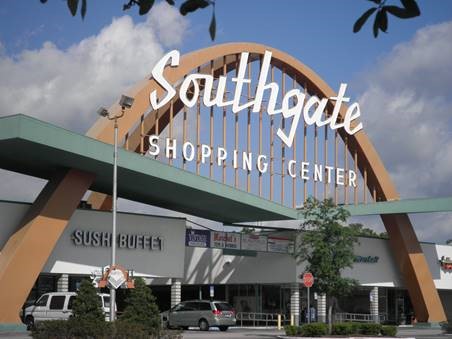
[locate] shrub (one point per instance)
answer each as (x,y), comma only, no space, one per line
(124,329)
(345,328)
(313,330)
(50,329)
(71,329)
(87,305)
(170,334)
(141,308)
(370,329)
(389,331)
(291,330)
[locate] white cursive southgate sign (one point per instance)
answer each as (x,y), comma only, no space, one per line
(294,105)
(293,96)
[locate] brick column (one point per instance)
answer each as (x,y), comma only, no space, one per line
(321,308)
(295,302)
(374,304)
(175,292)
(63,283)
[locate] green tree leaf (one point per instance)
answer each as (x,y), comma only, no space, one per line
(72,4)
(87,304)
(145,6)
(362,20)
(325,244)
(213,27)
(411,7)
(192,5)
(377,24)
(383,24)
(399,12)
(141,308)
(83,9)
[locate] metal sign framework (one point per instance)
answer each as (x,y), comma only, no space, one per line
(53,208)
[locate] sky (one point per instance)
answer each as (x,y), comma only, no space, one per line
(60,69)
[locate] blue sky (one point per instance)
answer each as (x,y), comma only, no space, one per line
(60,69)
(319,32)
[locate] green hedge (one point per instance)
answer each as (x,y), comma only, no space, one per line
(370,329)
(388,330)
(320,329)
(345,328)
(291,330)
(313,330)
(65,329)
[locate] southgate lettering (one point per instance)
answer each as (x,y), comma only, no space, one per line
(293,104)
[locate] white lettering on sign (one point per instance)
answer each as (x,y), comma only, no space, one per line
(248,160)
(312,110)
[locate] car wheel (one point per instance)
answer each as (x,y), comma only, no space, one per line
(30,322)
(184,328)
(223,328)
(203,325)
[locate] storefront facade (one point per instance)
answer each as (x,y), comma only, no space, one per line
(184,264)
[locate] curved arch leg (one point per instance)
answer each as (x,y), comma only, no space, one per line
(414,268)
(26,252)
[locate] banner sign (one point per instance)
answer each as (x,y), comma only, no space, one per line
(197,238)
(225,240)
(254,242)
(279,245)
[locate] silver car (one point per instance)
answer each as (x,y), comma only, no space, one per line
(202,314)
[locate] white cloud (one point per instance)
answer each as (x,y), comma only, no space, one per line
(66,87)
(407,111)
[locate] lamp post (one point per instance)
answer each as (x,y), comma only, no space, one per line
(124,102)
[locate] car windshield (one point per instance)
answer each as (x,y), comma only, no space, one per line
(223,307)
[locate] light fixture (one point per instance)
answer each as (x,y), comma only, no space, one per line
(126,101)
(103,112)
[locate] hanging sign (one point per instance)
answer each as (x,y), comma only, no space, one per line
(225,240)
(278,245)
(197,238)
(254,242)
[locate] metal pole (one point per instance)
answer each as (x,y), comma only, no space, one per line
(113,237)
(309,308)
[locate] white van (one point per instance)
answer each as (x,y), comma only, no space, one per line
(58,306)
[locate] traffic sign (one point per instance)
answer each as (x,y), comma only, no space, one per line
(308,279)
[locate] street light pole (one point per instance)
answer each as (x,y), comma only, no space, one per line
(113,237)
(124,102)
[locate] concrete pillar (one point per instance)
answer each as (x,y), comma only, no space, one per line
(63,283)
(175,292)
(321,308)
(374,304)
(295,302)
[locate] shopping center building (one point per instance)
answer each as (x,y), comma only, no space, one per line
(216,134)
(255,272)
